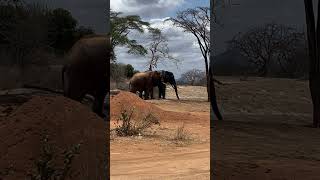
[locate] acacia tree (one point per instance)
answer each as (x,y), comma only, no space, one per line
(197,22)
(121,26)
(264,46)
(314,59)
(158,48)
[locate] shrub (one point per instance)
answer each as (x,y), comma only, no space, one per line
(181,134)
(131,128)
(45,167)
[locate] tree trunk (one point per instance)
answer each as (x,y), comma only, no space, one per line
(314,85)
(314,47)
(212,93)
(208,78)
(192,82)
(209,72)
(268,68)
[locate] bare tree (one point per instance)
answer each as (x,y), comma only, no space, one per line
(290,51)
(314,59)
(265,45)
(193,76)
(197,22)
(158,49)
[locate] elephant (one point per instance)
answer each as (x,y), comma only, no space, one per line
(85,71)
(162,90)
(167,77)
(144,82)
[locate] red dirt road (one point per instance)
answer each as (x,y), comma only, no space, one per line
(156,155)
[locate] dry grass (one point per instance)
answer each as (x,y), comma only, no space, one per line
(181,135)
(131,127)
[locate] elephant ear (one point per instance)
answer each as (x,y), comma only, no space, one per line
(162,78)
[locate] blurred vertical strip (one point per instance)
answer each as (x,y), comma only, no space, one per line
(108,32)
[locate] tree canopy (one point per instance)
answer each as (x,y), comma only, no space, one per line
(121,27)
(26,27)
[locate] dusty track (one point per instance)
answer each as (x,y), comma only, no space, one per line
(266,133)
(157,156)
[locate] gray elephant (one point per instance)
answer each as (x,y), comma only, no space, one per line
(144,82)
(167,77)
(86,70)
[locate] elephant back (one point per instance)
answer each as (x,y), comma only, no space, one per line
(95,48)
(138,81)
(87,61)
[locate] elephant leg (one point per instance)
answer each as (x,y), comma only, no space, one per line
(160,91)
(73,89)
(151,93)
(146,94)
(99,97)
(163,91)
(98,104)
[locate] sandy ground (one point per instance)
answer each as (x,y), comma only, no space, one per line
(266,133)
(157,155)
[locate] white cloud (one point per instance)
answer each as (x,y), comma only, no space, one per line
(182,45)
(145,8)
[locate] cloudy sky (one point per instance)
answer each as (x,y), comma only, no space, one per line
(182,45)
(235,18)
(250,13)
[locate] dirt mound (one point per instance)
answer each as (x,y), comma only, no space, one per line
(66,123)
(127,100)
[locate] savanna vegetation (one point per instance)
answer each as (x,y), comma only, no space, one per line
(33,40)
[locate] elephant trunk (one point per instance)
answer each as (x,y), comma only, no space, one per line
(174,85)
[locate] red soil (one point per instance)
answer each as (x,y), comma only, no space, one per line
(66,123)
(128,100)
(155,155)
